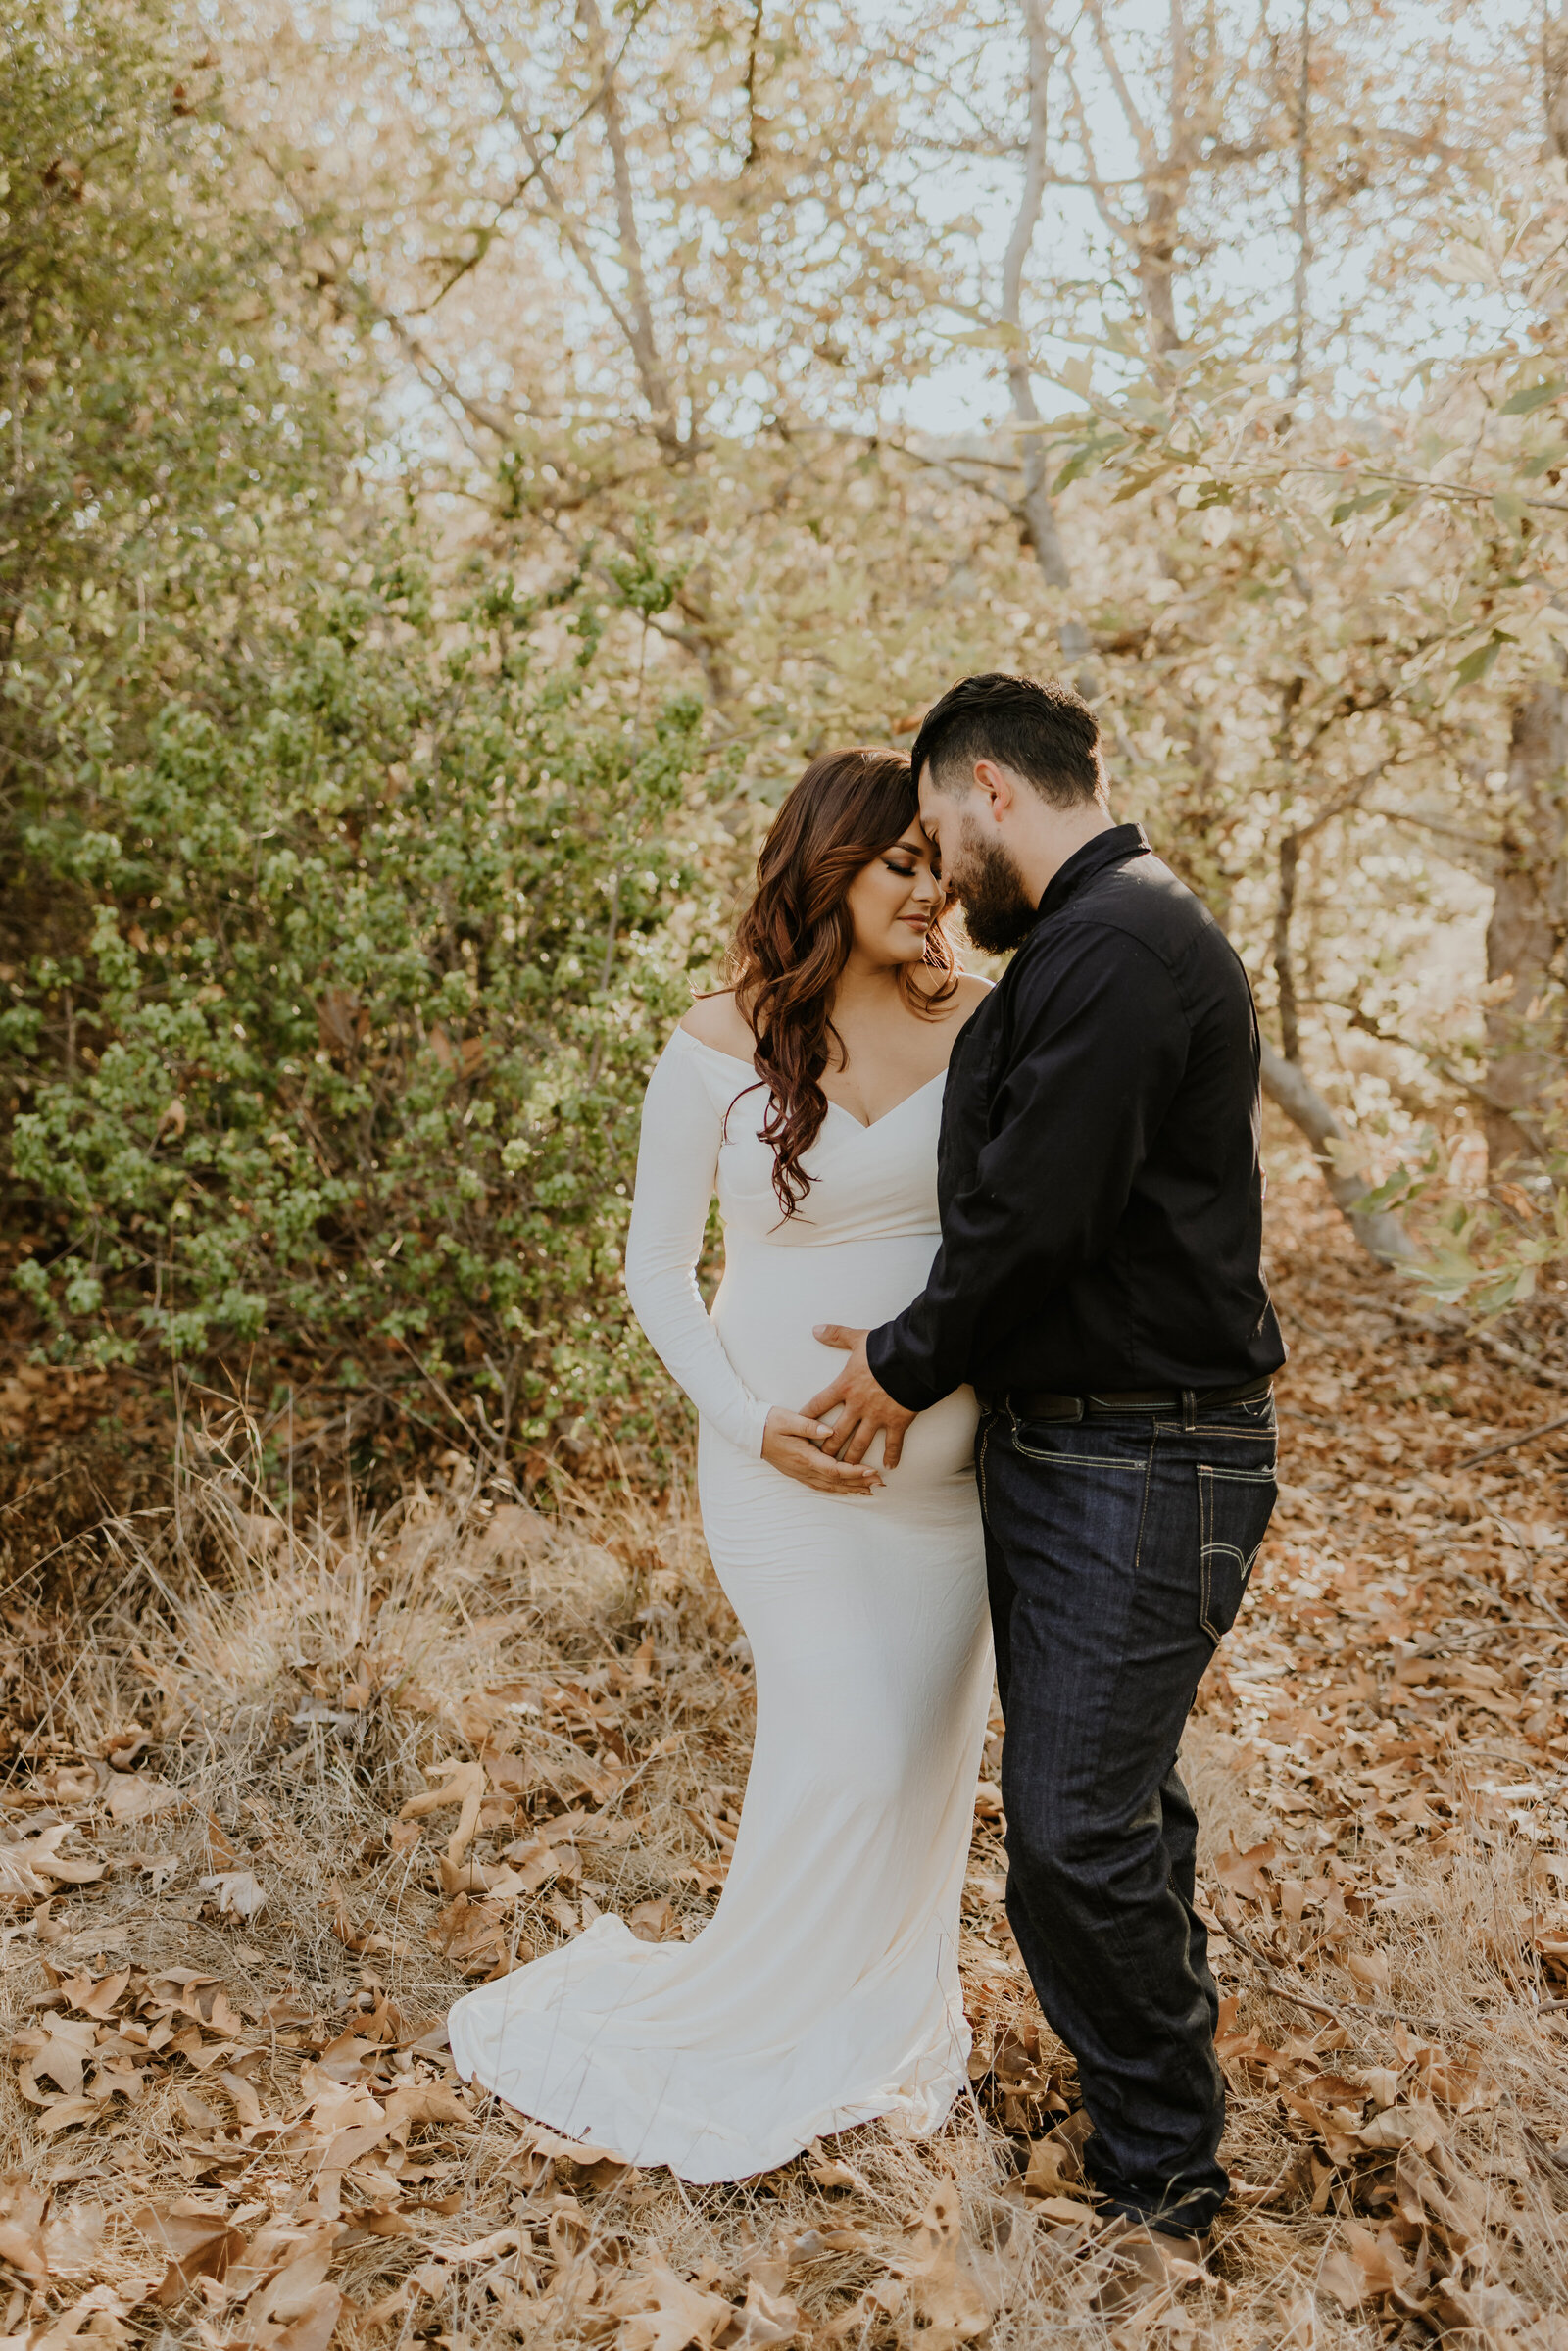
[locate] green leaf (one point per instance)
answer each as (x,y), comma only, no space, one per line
(1534,396)
(1402,1186)
(1476,665)
(1360,503)
(1087,458)
(1143,481)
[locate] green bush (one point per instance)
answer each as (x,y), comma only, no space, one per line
(337,923)
(388,926)
(175,438)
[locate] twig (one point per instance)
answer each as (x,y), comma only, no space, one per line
(1438,489)
(1538,2146)
(1467,1335)
(1299,1999)
(1506,1445)
(1336,2016)
(1551,1607)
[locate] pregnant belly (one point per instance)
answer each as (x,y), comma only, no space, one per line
(769,1301)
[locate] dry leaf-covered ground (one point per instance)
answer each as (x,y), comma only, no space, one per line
(257,1837)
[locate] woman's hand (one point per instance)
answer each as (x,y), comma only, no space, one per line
(793,1443)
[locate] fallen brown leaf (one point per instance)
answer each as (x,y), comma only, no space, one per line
(197,2243)
(465,1786)
(660,2312)
(138,1797)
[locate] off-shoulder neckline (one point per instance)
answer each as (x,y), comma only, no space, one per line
(865,1126)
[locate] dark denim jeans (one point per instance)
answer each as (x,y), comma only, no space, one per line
(1119,1552)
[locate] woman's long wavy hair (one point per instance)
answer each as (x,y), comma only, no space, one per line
(794,939)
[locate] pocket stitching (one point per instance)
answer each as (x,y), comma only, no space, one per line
(1209,1550)
(1030,1452)
(1068,1458)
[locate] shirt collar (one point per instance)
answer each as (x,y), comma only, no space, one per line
(1112,848)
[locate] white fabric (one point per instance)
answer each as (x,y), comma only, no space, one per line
(677,1167)
(824,1992)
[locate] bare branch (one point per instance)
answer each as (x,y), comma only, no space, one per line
(349,294)
(1039,519)
(1303,220)
(424,363)
(1180,65)
(1142,134)
(1432,825)
(632,327)
(748,85)
(1097,186)
(644,341)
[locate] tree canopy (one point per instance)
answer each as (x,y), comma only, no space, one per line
(456,466)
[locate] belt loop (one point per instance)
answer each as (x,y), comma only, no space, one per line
(1189,1408)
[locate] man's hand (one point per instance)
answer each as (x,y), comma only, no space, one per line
(793,1443)
(867,1405)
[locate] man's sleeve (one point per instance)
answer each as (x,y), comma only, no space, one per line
(1100,1042)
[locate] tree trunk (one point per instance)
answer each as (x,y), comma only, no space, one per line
(1038,516)
(1528,931)
(1291,1091)
(1284,956)
(1156,258)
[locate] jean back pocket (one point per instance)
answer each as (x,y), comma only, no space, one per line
(1234,1509)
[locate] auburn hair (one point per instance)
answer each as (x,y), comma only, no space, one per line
(793,940)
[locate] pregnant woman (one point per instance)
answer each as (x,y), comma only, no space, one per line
(824,1992)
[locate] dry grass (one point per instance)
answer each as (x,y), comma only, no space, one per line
(268,2149)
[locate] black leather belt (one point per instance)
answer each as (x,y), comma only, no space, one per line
(1043,1403)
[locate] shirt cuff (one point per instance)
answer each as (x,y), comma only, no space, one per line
(891,1372)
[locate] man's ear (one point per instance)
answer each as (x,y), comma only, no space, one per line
(997,785)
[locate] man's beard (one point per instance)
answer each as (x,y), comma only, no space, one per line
(998,910)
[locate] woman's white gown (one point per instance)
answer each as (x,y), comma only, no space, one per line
(824,1992)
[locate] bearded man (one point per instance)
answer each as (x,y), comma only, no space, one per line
(1099,1285)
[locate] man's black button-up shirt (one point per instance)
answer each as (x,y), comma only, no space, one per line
(1100,1191)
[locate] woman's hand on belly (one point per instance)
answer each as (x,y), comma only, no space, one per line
(793,1443)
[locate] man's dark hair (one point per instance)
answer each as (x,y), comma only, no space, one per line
(1046,732)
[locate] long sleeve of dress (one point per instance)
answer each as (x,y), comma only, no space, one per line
(677,1165)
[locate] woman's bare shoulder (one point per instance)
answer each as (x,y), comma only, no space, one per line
(718,1021)
(969,992)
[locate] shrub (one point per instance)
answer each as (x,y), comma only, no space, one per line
(177,440)
(388,927)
